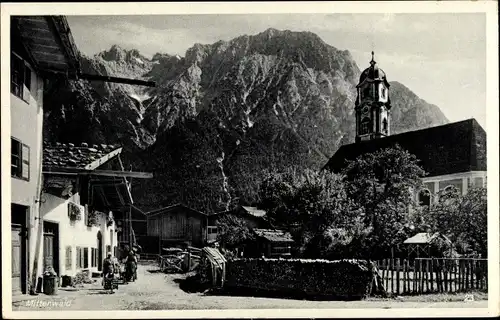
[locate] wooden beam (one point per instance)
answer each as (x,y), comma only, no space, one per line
(106,184)
(94,77)
(105,173)
(112,173)
(103,159)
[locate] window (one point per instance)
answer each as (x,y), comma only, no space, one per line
(212,230)
(69,258)
(365,126)
(383,93)
(20,160)
(108,249)
(280,249)
(85,258)
(384,125)
(424,198)
(92,257)
(20,78)
(366,92)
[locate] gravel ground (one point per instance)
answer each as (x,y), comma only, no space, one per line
(157,291)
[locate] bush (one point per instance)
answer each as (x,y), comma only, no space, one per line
(346,279)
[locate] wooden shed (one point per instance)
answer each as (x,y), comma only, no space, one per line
(178,225)
(270,243)
(421,244)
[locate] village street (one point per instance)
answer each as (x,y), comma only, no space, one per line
(157,291)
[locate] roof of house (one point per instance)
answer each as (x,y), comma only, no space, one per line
(171,208)
(83,156)
(274,235)
(446,149)
(425,238)
(254,211)
(49,41)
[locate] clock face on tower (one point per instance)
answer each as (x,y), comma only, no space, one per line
(365,111)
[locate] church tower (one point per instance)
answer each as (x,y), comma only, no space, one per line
(373,105)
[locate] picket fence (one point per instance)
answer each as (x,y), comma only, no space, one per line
(431,275)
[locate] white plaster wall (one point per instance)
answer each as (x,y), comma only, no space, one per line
(467,179)
(74,233)
(26,126)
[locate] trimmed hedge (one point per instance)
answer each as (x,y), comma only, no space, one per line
(342,279)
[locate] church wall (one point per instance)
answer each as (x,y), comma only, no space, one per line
(463,181)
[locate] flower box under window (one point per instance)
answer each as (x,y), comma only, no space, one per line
(93,219)
(74,212)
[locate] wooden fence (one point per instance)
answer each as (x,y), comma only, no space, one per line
(430,275)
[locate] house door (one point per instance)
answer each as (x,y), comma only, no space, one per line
(17,259)
(99,251)
(50,246)
(19,248)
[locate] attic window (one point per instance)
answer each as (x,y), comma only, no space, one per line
(20,77)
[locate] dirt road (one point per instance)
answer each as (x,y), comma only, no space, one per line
(157,291)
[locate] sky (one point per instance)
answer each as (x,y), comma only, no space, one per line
(439,56)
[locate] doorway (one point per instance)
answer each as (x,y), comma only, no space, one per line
(19,248)
(51,246)
(99,251)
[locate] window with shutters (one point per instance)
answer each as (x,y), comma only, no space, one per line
(69,258)
(20,78)
(85,258)
(20,160)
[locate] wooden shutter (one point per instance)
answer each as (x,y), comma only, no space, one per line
(69,258)
(26,84)
(78,254)
(25,154)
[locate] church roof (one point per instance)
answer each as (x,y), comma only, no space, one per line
(446,149)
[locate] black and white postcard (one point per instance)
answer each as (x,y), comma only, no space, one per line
(231,159)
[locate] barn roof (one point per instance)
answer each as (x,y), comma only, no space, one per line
(274,235)
(425,238)
(450,148)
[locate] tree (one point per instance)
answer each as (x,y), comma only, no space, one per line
(462,218)
(316,207)
(382,183)
(232,231)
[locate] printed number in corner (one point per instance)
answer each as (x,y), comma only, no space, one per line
(469,298)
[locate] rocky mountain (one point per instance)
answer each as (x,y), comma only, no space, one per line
(222,114)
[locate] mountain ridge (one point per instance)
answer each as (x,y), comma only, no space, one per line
(223,113)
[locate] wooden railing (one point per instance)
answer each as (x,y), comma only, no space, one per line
(428,275)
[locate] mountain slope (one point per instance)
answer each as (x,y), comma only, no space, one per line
(223,114)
